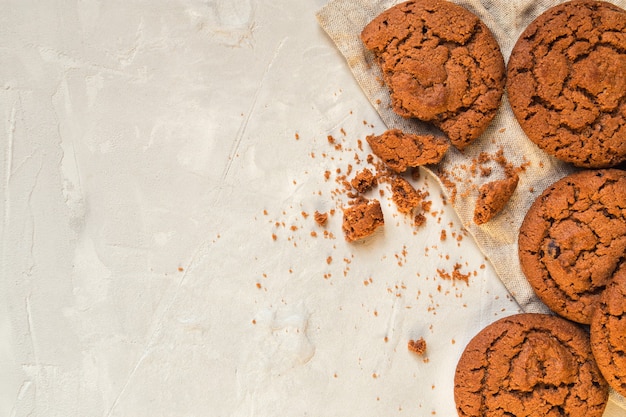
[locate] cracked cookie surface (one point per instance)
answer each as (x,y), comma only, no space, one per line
(529,365)
(566,82)
(441,64)
(608,332)
(573,240)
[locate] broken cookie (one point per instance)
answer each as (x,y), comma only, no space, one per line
(400,151)
(492,198)
(362,219)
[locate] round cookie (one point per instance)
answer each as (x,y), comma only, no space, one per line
(608,332)
(529,365)
(573,239)
(441,64)
(566,82)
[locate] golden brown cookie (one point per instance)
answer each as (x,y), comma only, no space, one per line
(566,82)
(573,239)
(608,332)
(532,365)
(441,64)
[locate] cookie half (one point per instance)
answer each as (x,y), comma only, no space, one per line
(608,332)
(529,365)
(441,64)
(566,82)
(573,239)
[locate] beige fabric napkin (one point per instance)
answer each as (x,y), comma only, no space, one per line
(344,20)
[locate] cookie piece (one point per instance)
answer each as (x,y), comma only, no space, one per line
(573,239)
(400,151)
(320,218)
(364,181)
(492,197)
(566,82)
(441,64)
(608,332)
(417,346)
(405,196)
(529,365)
(362,219)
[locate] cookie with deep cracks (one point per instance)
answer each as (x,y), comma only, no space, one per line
(441,64)
(531,365)
(573,239)
(566,82)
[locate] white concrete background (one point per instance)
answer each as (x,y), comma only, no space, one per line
(148,151)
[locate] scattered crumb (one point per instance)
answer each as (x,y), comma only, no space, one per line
(455,275)
(364,181)
(361,220)
(320,218)
(449,184)
(419,220)
(417,346)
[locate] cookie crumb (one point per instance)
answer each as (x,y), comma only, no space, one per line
(363,181)
(320,218)
(362,219)
(419,220)
(417,346)
(405,197)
